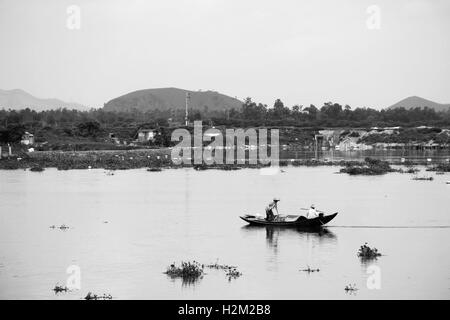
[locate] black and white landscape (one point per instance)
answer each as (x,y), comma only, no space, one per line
(213,149)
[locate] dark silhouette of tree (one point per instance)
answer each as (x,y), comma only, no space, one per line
(89,129)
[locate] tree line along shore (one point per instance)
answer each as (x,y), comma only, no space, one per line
(88,136)
(99,129)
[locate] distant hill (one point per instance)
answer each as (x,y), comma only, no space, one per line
(413,102)
(18,99)
(172,98)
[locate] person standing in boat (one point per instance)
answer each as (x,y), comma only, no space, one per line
(270,215)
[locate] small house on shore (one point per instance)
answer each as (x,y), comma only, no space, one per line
(348,144)
(27,139)
(351,143)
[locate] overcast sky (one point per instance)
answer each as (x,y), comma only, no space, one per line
(302,52)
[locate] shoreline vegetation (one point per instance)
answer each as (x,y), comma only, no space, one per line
(156,160)
(98,139)
(369,167)
(331,126)
(153,136)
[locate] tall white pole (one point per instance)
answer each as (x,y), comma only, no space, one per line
(187,107)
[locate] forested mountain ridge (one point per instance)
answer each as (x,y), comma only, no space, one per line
(164,99)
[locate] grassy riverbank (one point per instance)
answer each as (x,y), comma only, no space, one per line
(161,158)
(104,159)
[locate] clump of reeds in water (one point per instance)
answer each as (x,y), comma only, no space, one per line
(91,296)
(350,288)
(37,169)
(59,288)
(233,273)
(366,252)
(423,178)
(218,266)
(411,170)
(230,271)
(62,227)
(229,167)
(201,167)
(369,167)
(309,270)
(187,270)
(441,167)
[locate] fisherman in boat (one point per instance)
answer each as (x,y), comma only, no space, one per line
(270,216)
(312,212)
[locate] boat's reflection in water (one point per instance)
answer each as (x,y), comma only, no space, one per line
(311,237)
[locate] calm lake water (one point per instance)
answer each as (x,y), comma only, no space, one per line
(394,155)
(156,218)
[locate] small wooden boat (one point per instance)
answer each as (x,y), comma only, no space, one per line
(290,220)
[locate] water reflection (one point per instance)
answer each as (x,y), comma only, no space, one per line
(185,281)
(313,237)
(394,154)
(367,261)
(368,265)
